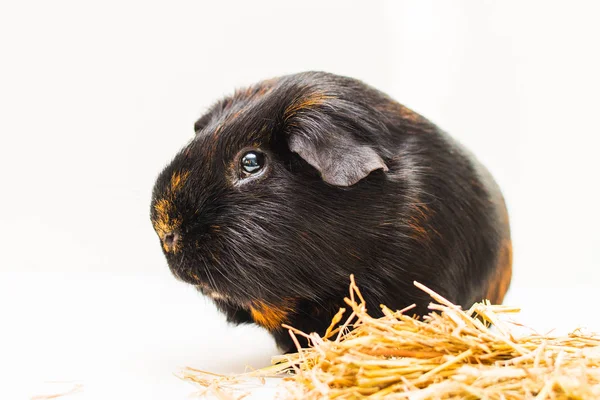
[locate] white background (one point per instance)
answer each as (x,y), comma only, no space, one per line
(96,97)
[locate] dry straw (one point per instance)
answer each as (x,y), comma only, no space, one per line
(449,354)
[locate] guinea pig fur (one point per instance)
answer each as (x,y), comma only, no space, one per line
(291,185)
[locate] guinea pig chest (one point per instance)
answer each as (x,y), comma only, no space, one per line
(291,185)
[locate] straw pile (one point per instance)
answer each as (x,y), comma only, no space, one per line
(449,354)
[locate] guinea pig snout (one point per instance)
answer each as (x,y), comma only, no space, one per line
(170,241)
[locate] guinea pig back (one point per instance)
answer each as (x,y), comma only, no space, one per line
(293,184)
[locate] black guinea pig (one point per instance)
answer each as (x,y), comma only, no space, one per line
(293,184)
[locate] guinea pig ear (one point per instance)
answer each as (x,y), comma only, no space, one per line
(341,160)
(202,122)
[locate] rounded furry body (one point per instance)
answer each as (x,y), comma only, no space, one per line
(353,183)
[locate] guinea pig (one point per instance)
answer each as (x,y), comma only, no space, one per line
(291,185)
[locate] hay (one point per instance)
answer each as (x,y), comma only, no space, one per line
(78,388)
(449,354)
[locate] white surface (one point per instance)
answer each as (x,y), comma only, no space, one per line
(124,337)
(118,336)
(96,97)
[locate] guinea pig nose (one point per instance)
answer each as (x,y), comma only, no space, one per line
(170,240)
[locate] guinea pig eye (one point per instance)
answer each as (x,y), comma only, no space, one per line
(252,162)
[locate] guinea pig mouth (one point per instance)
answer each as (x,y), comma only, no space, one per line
(187,276)
(206,280)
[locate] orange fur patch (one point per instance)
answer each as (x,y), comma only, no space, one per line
(404,112)
(178,179)
(307,102)
(269,316)
(164,221)
(409,114)
(500,281)
(418,221)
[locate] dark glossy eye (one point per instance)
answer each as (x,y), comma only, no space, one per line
(252,162)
